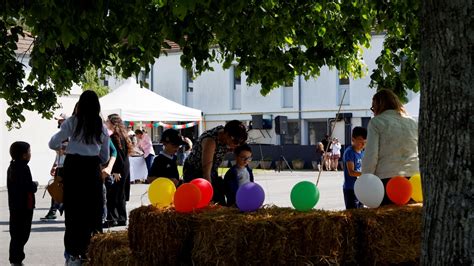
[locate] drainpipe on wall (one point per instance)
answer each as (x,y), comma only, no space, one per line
(151,79)
(300,119)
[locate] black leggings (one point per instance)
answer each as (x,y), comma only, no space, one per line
(83,202)
(116,201)
(20,227)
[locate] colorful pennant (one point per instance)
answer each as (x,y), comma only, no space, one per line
(164,125)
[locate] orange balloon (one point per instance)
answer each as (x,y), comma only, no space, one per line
(187,198)
(399,190)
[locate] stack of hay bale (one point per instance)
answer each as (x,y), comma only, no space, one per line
(270,236)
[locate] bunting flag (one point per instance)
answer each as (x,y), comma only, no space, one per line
(183,126)
(164,125)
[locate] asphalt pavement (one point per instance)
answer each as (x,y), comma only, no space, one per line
(45,246)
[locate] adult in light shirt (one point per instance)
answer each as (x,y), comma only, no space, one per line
(87,149)
(146,146)
(392,140)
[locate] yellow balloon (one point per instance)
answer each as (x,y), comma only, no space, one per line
(417,194)
(161,192)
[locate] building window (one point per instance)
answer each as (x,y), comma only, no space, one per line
(316,130)
(189,87)
(237,78)
(106,82)
(144,75)
(343,86)
(287,95)
(189,80)
(293,136)
(236,93)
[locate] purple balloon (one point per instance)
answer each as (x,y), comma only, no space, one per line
(250,197)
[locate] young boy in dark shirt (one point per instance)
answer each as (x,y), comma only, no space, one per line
(352,166)
(165,164)
(21,199)
(238,174)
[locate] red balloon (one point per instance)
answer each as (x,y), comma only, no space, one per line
(187,197)
(399,190)
(206,191)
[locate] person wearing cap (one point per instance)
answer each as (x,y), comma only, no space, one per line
(209,151)
(56,173)
(165,164)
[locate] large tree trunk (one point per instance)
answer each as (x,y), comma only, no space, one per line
(446,123)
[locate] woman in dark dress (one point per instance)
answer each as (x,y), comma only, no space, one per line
(209,151)
(119,192)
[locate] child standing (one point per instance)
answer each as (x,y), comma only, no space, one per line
(165,164)
(21,199)
(352,166)
(238,174)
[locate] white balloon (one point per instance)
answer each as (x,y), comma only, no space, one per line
(369,190)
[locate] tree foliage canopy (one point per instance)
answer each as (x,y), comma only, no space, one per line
(271,41)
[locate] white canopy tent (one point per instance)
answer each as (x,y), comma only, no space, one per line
(413,106)
(134,103)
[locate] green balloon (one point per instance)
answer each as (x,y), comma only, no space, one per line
(304,196)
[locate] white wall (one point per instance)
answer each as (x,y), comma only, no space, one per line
(213,95)
(168,77)
(37,131)
(212,91)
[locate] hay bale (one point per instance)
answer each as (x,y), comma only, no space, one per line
(111,249)
(273,236)
(160,236)
(389,235)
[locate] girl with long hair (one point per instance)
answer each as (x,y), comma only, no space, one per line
(88,147)
(119,192)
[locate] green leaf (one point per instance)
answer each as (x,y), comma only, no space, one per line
(321,31)
(318,7)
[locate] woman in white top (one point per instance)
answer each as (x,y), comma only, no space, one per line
(87,148)
(146,146)
(392,140)
(336,153)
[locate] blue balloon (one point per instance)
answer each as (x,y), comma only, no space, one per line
(250,197)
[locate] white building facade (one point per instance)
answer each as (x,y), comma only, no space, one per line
(310,105)
(36,130)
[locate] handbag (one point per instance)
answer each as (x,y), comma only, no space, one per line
(56,190)
(55,186)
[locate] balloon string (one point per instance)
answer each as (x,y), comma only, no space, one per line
(141,198)
(330,137)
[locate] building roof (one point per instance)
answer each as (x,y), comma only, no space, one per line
(174,46)
(25,44)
